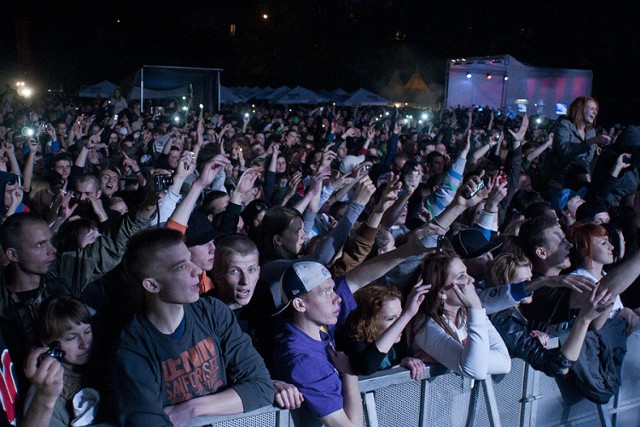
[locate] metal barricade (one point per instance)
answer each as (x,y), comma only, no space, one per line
(524,397)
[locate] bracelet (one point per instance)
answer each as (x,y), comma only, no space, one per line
(136,173)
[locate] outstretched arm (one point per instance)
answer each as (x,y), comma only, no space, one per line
(378,266)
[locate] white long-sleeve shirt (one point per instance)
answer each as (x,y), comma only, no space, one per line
(483,353)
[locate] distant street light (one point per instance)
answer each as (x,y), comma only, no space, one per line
(265,16)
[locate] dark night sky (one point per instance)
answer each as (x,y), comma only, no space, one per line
(323,44)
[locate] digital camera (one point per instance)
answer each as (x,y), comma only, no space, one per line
(161,182)
(54,350)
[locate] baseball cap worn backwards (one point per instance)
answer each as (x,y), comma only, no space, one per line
(299,279)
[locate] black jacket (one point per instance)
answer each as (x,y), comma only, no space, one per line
(512,326)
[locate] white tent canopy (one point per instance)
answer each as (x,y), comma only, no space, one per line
(300,95)
(104,89)
(263,93)
(227,96)
(362,97)
(277,93)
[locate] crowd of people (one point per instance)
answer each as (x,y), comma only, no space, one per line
(169,262)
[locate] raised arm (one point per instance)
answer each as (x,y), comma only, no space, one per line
(378,266)
(27,173)
(534,154)
(617,281)
(46,378)
(185,208)
(10,151)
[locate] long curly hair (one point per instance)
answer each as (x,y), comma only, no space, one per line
(362,323)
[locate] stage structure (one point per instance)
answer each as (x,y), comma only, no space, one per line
(203,84)
(504,82)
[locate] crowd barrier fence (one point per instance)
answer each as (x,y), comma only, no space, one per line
(524,398)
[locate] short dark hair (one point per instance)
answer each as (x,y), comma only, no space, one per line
(431,156)
(54,314)
(211,197)
(89,178)
(62,156)
(538,208)
(12,229)
(531,235)
(142,251)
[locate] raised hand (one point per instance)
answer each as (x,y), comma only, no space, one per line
(467,295)
(248,179)
(364,191)
(212,168)
(519,136)
(98,208)
(415,298)
(468,194)
(390,194)
(66,211)
(600,300)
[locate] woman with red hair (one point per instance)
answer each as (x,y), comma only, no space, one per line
(373,330)
(575,144)
(591,252)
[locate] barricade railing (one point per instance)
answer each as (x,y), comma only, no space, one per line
(524,397)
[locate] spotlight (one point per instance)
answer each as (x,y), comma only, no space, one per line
(489,76)
(506,78)
(468,75)
(185,108)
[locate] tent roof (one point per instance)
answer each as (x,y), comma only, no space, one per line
(277,93)
(300,95)
(416,90)
(104,89)
(393,89)
(363,97)
(262,93)
(227,96)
